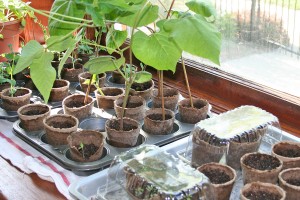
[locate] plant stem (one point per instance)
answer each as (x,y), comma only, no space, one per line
(159,80)
(171,6)
(187,82)
(162,96)
(88,91)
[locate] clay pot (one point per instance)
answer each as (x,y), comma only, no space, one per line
(171,97)
(193,115)
(117,78)
(60,90)
(32,116)
(74,105)
(135,108)
(264,190)
(71,73)
(289,180)
(153,123)
(288,152)
(59,127)
(122,138)
(143,90)
(238,149)
(260,167)
(92,148)
(19,99)
(222,178)
(111,94)
(85,76)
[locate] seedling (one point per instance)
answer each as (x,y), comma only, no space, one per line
(81,147)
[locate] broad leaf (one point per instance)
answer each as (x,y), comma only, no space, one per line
(142,77)
(115,38)
(97,18)
(202,7)
(195,35)
(156,50)
(57,43)
(43,74)
(65,7)
(103,64)
(30,51)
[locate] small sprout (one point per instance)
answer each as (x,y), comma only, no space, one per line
(81,146)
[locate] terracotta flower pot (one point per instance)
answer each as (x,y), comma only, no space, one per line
(171,97)
(143,90)
(265,191)
(74,105)
(192,115)
(32,116)
(260,167)
(60,90)
(20,98)
(222,178)
(86,145)
(135,108)
(59,127)
(153,123)
(111,94)
(71,73)
(85,76)
(288,152)
(289,180)
(122,138)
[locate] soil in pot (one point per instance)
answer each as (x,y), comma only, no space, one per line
(32,116)
(20,98)
(59,127)
(262,191)
(142,89)
(59,91)
(289,180)
(111,94)
(288,152)
(71,73)
(222,178)
(171,97)
(122,138)
(135,108)
(85,76)
(154,123)
(86,145)
(194,114)
(260,167)
(74,105)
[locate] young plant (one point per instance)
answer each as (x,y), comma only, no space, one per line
(81,147)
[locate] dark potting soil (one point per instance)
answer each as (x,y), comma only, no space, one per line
(88,150)
(158,117)
(112,92)
(34,112)
(58,84)
(131,105)
(261,162)
(293,181)
(216,176)
(61,125)
(291,153)
(261,195)
(141,86)
(20,93)
(75,104)
(126,127)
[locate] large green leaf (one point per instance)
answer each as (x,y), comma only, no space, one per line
(65,7)
(30,51)
(195,35)
(115,38)
(43,74)
(142,77)
(59,44)
(103,64)
(202,7)
(156,50)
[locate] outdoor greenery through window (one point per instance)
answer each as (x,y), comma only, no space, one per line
(260,41)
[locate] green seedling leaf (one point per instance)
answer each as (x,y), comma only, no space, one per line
(103,64)
(43,74)
(31,51)
(59,44)
(202,7)
(142,77)
(156,50)
(7,80)
(115,38)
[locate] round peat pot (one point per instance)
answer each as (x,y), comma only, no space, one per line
(32,116)
(222,178)
(260,167)
(171,97)
(59,127)
(84,76)
(110,95)
(262,191)
(70,72)
(289,180)
(60,90)
(288,152)
(13,102)
(117,78)
(194,114)
(143,90)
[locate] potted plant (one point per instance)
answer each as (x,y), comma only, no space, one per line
(259,190)
(288,152)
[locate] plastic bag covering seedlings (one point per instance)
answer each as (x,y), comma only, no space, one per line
(166,176)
